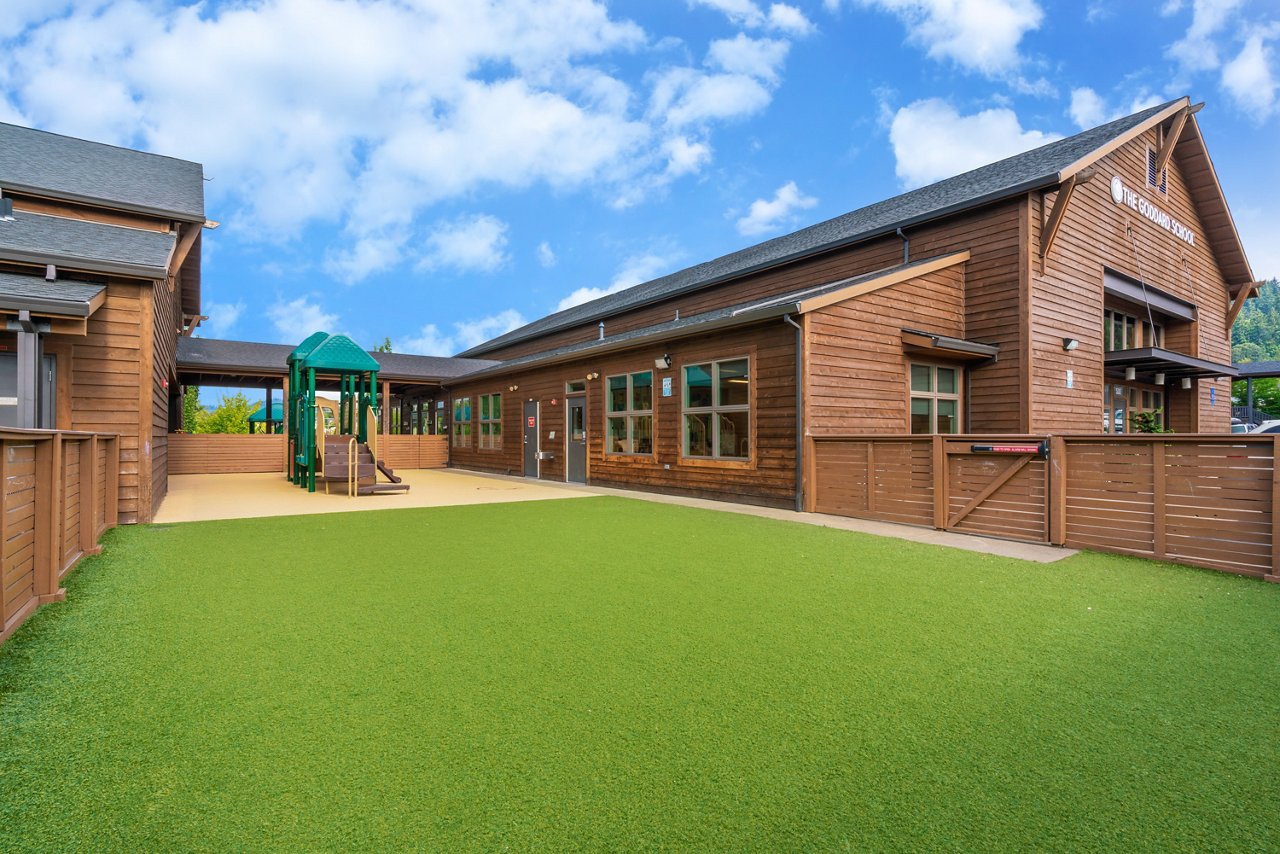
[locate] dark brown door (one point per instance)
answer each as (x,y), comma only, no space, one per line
(530,438)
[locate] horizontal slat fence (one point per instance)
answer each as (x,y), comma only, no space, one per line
(60,493)
(225,453)
(414,452)
(1196,499)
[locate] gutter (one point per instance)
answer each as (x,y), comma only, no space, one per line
(93,201)
(84,265)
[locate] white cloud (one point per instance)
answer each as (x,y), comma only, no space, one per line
(979,35)
(972,141)
(467,244)
(1087,108)
(1197,50)
(223,318)
(746,13)
(1258,233)
(633,270)
(1250,78)
(298,318)
(767,215)
(292,120)
(546,255)
(759,58)
(430,341)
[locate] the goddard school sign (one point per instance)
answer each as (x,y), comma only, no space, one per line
(1124,196)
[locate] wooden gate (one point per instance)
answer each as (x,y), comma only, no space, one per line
(997,489)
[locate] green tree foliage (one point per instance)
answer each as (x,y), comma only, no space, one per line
(191,410)
(1256,338)
(384,347)
(230,416)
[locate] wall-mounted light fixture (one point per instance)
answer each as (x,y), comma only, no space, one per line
(1186,382)
(1130,374)
(1159,378)
(513,388)
(662,362)
(593,376)
(1070,344)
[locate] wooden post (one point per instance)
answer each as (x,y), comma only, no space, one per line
(386,408)
(4,520)
(1158,498)
(810,475)
(111,490)
(939,482)
(89,504)
(1275,508)
(1056,472)
(49,517)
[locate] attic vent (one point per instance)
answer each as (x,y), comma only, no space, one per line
(1151,173)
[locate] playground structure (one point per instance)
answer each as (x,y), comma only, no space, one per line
(335,441)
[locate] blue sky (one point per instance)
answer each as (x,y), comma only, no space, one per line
(438,171)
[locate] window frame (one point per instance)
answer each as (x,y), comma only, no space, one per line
(630,415)
(1149,167)
(1143,332)
(490,422)
(933,395)
(458,436)
(716,408)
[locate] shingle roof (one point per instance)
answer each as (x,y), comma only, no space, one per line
(64,167)
(1020,173)
(216,355)
(93,246)
(1258,369)
(33,293)
(740,314)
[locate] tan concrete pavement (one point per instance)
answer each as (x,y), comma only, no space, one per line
(240,496)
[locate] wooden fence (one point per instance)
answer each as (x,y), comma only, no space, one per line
(1203,500)
(59,491)
(414,452)
(225,453)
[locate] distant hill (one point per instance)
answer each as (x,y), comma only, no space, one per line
(1256,334)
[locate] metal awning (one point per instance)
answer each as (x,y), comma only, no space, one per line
(49,299)
(1148,361)
(1143,294)
(952,348)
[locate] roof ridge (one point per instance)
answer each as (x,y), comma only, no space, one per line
(95,142)
(619,301)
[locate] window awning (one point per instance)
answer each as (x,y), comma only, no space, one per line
(952,348)
(1148,361)
(1135,292)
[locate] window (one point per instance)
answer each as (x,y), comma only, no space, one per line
(1151,172)
(629,423)
(935,399)
(1122,331)
(462,422)
(491,422)
(575,386)
(717,410)
(1121,402)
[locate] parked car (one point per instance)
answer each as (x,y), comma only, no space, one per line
(1267,427)
(1240,427)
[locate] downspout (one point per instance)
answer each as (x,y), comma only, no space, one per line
(799,412)
(906,246)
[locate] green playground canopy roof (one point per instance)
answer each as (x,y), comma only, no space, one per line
(338,354)
(304,349)
(260,414)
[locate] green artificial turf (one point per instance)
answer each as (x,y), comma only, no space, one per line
(609,673)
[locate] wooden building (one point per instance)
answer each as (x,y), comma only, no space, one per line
(99,277)
(1064,290)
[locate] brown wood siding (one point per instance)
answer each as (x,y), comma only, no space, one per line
(167,328)
(225,453)
(106,385)
(769,478)
(18,531)
(991,236)
(857,368)
(1067,294)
